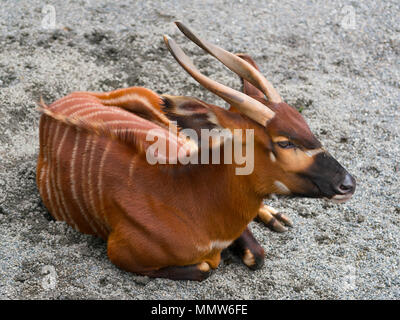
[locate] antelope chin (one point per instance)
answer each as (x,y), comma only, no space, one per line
(341,198)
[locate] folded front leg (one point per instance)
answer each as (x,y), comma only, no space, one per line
(197,272)
(273,219)
(249,250)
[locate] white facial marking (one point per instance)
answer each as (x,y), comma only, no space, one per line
(340,198)
(272,157)
(313,152)
(281,187)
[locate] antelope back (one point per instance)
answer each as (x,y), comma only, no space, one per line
(85,135)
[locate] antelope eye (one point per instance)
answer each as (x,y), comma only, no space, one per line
(285,144)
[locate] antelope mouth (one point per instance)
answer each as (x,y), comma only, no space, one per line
(341,198)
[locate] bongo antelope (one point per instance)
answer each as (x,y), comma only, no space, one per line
(174,220)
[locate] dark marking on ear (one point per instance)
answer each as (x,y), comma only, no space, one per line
(189,113)
(192,106)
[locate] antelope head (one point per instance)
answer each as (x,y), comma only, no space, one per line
(289,159)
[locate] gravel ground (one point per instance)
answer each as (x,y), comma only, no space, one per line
(338,61)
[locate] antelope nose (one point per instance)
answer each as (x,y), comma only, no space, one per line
(347,186)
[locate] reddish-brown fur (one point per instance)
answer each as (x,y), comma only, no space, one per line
(153,216)
(162,220)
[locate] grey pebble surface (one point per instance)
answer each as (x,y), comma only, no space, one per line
(339,61)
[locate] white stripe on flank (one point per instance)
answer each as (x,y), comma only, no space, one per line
(89,171)
(113,110)
(42,183)
(63,202)
(100,181)
(120,122)
(165,134)
(67,99)
(131,167)
(172,140)
(83,106)
(89,179)
(78,112)
(130,130)
(131,97)
(73,184)
(85,192)
(49,164)
(102,112)
(105,110)
(53,188)
(99,107)
(46,121)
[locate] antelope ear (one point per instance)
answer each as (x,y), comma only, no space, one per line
(248,88)
(190,113)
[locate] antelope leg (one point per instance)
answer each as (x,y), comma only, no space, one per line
(249,250)
(196,272)
(273,219)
